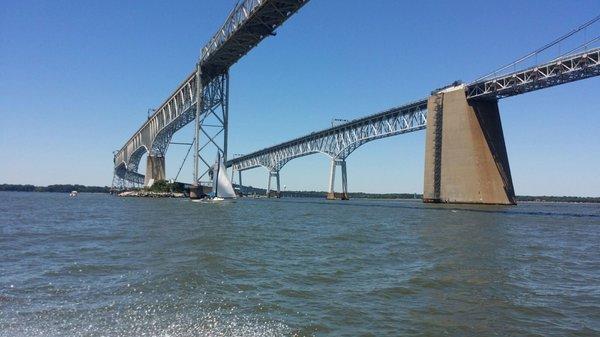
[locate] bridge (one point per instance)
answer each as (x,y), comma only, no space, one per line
(465,162)
(340,141)
(248,23)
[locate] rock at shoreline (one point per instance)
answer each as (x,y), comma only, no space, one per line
(149,194)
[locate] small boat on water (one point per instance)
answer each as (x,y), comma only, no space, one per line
(222,189)
(73,193)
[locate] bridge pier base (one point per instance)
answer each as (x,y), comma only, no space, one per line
(277,193)
(241,186)
(155,169)
(465,154)
(331,195)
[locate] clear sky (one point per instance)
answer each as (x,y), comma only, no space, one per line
(77,78)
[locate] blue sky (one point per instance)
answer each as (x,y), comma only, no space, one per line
(77,77)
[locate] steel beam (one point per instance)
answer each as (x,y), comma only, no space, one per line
(560,71)
(340,141)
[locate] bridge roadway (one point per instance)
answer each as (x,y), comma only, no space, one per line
(249,23)
(340,141)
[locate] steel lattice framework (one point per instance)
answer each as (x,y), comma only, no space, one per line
(204,93)
(340,141)
(563,70)
(249,23)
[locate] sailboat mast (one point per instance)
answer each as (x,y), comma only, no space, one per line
(217,173)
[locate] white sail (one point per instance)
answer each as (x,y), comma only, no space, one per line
(222,187)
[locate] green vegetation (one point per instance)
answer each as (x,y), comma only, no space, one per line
(166,186)
(546,198)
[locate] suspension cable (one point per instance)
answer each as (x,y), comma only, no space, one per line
(545,47)
(597,38)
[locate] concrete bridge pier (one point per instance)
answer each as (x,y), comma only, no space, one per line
(331,195)
(155,169)
(241,186)
(276,193)
(465,154)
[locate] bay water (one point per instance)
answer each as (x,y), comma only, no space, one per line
(99,265)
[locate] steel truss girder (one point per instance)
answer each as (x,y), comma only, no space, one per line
(248,24)
(563,70)
(340,141)
(154,136)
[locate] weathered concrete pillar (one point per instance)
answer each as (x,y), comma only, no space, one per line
(331,195)
(344,181)
(330,192)
(240,182)
(155,169)
(465,154)
(277,193)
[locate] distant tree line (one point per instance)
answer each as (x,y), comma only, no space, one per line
(362,195)
(66,188)
(165,186)
(546,198)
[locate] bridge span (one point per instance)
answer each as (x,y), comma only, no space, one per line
(249,22)
(465,153)
(340,141)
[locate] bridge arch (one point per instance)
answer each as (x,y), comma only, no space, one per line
(121,170)
(134,159)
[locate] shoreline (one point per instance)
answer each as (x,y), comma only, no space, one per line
(259,192)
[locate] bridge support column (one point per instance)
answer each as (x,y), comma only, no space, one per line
(240,182)
(331,195)
(465,154)
(155,169)
(277,193)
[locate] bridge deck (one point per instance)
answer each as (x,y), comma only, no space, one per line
(560,71)
(339,141)
(248,24)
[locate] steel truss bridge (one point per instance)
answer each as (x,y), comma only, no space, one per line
(203,97)
(248,23)
(338,142)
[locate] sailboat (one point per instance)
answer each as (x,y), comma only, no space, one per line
(222,188)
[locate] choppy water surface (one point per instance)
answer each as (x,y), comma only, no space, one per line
(98,265)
